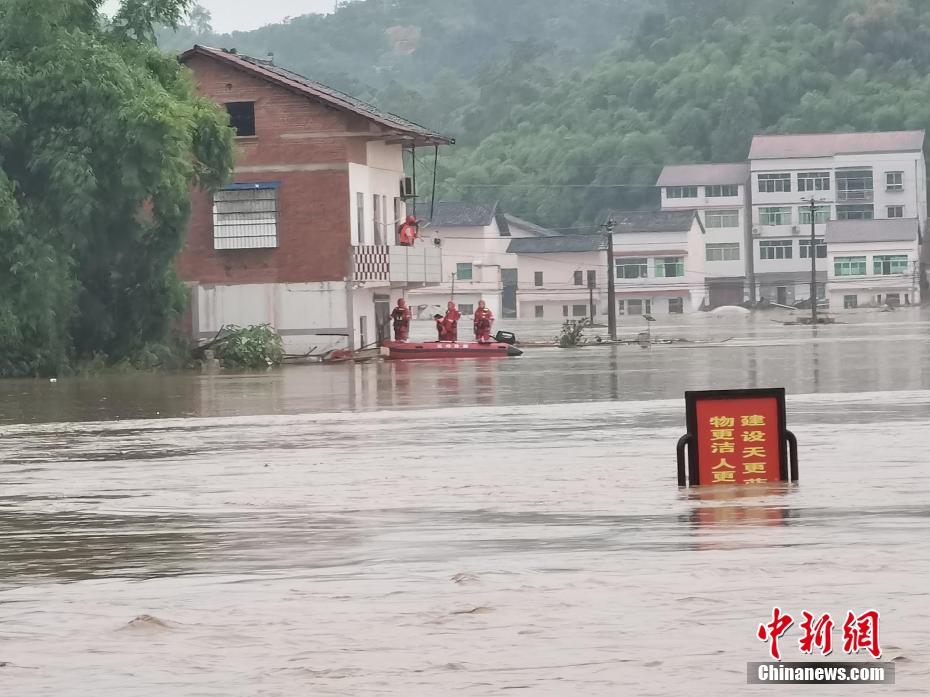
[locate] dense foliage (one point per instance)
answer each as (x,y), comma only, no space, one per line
(559,135)
(257,346)
(101,138)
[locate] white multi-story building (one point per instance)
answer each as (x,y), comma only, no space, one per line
(720,194)
(659,262)
(476,264)
(850,176)
(561,276)
(873,262)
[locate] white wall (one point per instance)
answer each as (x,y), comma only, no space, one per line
(382,175)
(870,285)
(297,310)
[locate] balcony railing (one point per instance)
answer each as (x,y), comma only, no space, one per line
(863,195)
(420,264)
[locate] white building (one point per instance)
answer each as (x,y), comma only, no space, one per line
(873,262)
(561,276)
(720,194)
(851,176)
(474,239)
(659,262)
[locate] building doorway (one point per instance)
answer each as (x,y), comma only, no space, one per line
(508,293)
(781,295)
(382,319)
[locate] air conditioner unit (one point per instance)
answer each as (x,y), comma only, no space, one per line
(756,232)
(407,188)
(795,230)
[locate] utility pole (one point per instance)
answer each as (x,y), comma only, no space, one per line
(591,298)
(813,253)
(611,288)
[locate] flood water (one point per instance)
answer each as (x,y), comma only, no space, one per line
(474,528)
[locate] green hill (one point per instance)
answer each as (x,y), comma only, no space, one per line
(564,109)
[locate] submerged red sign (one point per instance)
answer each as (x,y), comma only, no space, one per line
(738,437)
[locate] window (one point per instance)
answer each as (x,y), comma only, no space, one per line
(813,181)
(621,307)
(806,249)
(242,117)
(463,272)
(538,278)
(592,279)
(631,267)
(564,310)
(669,267)
(721,190)
(854,185)
(894,181)
(862,212)
(245,216)
(467,308)
(538,311)
(893,299)
(379,220)
(850,302)
(676,306)
(723,251)
(895,211)
(579,278)
(776,249)
(772,183)
(360,216)
(849,266)
(821,214)
(889,265)
(775,216)
(639,307)
(681,192)
(579,310)
(728,218)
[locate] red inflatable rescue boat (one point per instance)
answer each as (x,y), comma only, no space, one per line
(449,349)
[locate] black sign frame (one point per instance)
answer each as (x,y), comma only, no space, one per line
(689,468)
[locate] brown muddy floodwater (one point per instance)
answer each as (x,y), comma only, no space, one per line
(466,528)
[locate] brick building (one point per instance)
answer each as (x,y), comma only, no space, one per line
(305,237)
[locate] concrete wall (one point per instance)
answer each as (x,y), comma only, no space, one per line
(304,313)
(867,288)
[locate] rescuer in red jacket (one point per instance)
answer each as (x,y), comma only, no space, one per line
(401,317)
(450,323)
(484,318)
(408,231)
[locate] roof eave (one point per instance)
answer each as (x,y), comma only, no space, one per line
(235,61)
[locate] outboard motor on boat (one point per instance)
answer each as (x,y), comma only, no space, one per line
(505,338)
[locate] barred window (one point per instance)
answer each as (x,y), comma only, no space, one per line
(245,216)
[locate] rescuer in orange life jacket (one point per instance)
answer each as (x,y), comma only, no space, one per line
(448,325)
(408,232)
(401,317)
(484,318)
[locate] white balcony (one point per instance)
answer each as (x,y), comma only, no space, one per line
(397,265)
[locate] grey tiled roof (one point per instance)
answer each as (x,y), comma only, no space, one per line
(852,231)
(527,226)
(653,221)
(340,100)
(767,147)
(558,244)
(704,175)
(462,214)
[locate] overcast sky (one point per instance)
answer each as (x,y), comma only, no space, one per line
(229,15)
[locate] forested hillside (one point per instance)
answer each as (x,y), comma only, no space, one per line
(559,135)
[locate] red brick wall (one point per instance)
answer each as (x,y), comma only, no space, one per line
(313,206)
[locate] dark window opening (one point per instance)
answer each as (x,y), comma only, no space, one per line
(242,117)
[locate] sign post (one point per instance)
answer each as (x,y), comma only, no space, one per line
(737,437)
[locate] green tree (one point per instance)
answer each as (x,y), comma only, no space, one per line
(101,139)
